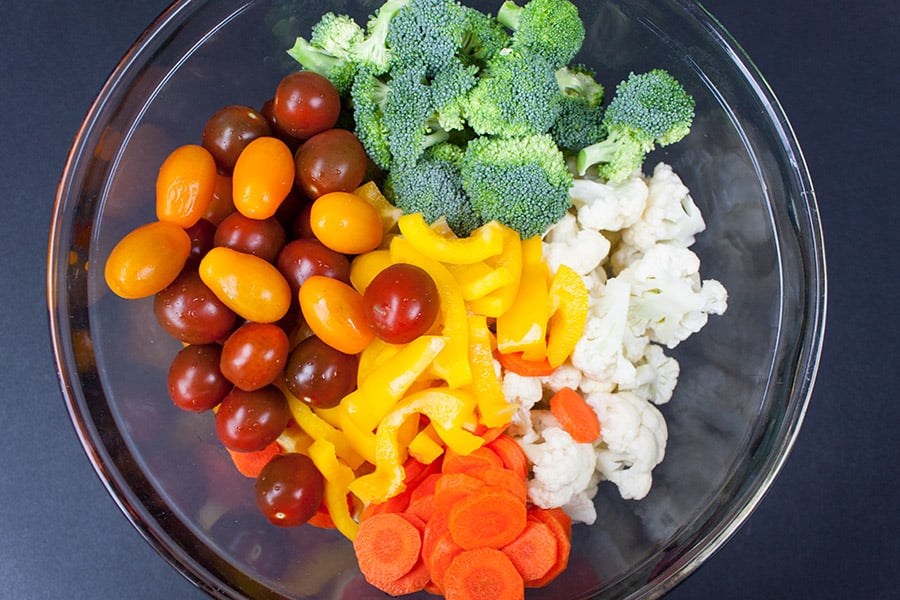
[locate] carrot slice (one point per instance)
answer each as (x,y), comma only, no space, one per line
(491,517)
(322,518)
(387,547)
(511,454)
(575,415)
(561,526)
(483,574)
(394,504)
(534,552)
(249,464)
(479,458)
(413,581)
(441,552)
(422,507)
(453,487)
(503,478)
(515,362)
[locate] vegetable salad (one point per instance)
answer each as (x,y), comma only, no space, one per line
(426,291)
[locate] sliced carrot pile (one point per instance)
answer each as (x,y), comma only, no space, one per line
(249,464)
(463,528)
(515,362)
(575,415)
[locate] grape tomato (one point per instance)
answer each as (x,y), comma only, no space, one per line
(191,312)
(334,312)
(195,381)
(228,132)
(185,185)
(254,355)
(247,284)
(289,489)
(401,303)
(147,260)
(331,161)
(247,421)
(262,178)
(305,104)
(301,259)
(320,375)
(261,237)
(346,223)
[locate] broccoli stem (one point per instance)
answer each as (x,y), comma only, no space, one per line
(509,14)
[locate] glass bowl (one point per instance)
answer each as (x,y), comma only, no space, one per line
(745,379)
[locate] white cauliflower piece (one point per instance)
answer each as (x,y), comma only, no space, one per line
(565,375)
(657,376)
(581,507)
(582,250)
(669,216)
(633,441)
(521,390)
(609,206)
(668,300)
(561,467)
(599,354)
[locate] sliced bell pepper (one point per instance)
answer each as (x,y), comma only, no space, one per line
(523,328)
(318,428)
(338,477)
(568,297)
(366,266)
(389,213)
(480,279)
(426,447)
(482,243)
(493,408)
(495,303)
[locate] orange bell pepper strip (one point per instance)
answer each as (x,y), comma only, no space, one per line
(568,314)
(523,328)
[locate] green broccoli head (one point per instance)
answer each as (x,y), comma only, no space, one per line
(482,39)
(368,95)
(449,86)
(521,182)
(372,52)
(433,187)
(410,116)
(579,125)
(550,28)
(426,32)
(516,95)
(336,34)
(649,110)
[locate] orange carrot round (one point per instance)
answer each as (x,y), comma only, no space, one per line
(249,464)
(453,487)
(490,517)
(479,458)
(413,581)
(575,415)
(483,574)
(387,547)
(534,552)
(561,526)
(511,454)
(515,362)
(504,478)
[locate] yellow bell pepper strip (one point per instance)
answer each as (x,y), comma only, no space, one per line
(373,356)
(480,279)
(364,268)
(452,364)
(388,212)
(294,439)
(317,428)
(383,386)
(446,408)
(458,439)
(338,478)
(426,447)
(568,314)
(360,440)
(493,408)
(495,303)
(523,328)
(482,243)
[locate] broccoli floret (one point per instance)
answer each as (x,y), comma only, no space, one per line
(426,32)
(449,87)
(647,110)
(580,121)
(483,38)
(339,71)
(521,182)
(550,28)
(336,34)
(410,116)
(433,187)
(372,53)
(516,95)
(368,95)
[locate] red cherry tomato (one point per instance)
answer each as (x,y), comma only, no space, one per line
(401,303)
(254,355)
(195,381)
(250,421)
(305,104)
(331,161)
(289,489)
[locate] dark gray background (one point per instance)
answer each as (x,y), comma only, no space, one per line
(829,527)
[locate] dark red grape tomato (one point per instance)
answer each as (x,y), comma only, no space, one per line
(190,312)
(261,237)
(228,132)
(401,303)
(289,489)
(250,421)
(320,375)
(254,355)
(306,103)
(331,161)
(303,258)
(195,381)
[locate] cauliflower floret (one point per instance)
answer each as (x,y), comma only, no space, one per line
(668,300)
(582,250)
(670,215)
(565,375)
(609,206)
(657,375)
(581,507)
(562,468)
(599,353)
(633,441)
(521,390)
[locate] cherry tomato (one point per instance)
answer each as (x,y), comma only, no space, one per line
(268,111)
(250,421)
(222,203)
(247,284)
(301,259)
(331,161)
(289,489)
(229,131)
(262,178)
(305,104)
(190,312)
(260,237)
(147,260)
(334,311)
(401,303)
(185,185)
(254,355)
(195,381)
(346,223)
(202,234)
(320,375)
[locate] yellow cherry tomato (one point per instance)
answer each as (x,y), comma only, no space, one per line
(334,312)
(262,178)
(346,223)
(247,284)
(185,185)
(147,260)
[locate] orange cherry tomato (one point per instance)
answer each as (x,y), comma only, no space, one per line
(147,260)
(334,312)
(185,185)
(262,177)
(247,284)
(346,223)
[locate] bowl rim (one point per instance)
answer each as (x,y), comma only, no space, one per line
(807,361)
